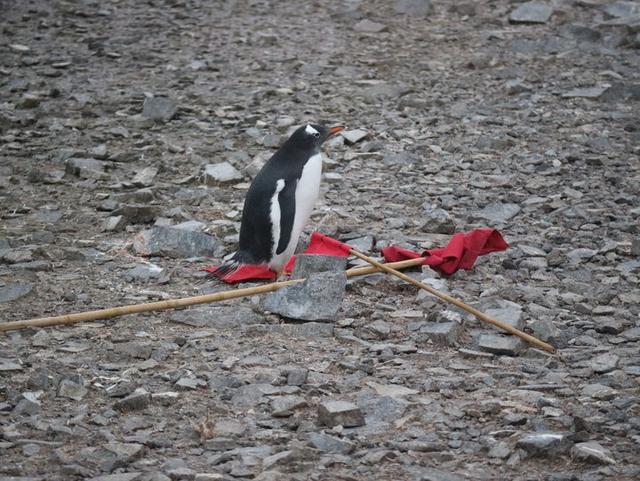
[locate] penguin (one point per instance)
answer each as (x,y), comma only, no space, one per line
(280,201)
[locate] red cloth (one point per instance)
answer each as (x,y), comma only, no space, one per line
(460,253)
(324,245)
(245,272)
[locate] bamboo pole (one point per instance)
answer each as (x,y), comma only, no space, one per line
(182,302)
(445,297)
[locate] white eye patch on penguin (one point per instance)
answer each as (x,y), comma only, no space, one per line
(311,131)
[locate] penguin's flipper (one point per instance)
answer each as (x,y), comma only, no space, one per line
(287,202)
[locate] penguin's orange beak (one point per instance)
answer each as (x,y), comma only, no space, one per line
(336,129)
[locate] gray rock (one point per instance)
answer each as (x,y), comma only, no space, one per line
(621,9)
(7,365)
(71,389)
(437,220)
(145,177)
(635,247)
(15,291)
(159,109)
(499,213)
(592,452)
(432,474)
(318,298)
(499,344)
(531,12)
(125,452)
(284,406)
(137,213)
(115,223)
(86,168)
(354,136)
(296,376)
(137,401)
(221,173)
(330,444)
(545,330)
(400,158)
(585,92)
(418,8)
(340,413)
(116,477)
(307,264)
(604,363)
(367,26)
(144,272)
(503,310)
(499,450)
(134,349)
(170,242)
(545,444)
(442,333)
(29,404)
(218,317)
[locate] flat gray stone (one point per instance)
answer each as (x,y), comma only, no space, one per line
(437,220)
(604,363)
(137,401)
(318,298)
(115,477)
(145,177)
(340,413)
(72,390)
(585,92)
(15,291)
(499,213)
(307,264)
(442,333)
(432,474)
(500,344)
(330,444)
(545,444)
(367,26)
(284,406)
(144,272)
(503,310)
(531,12)
(86,168)
(176,243)
(221,173)
(159,109)
(417,8)
(592,452)
(218,317)
(353,136)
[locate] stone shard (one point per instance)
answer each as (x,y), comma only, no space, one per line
(442,333)
(159,109)
(340,413)
(330,444)
(592,452)
(316,299)
(531,12)
(418,8)
(367,26)
(221,173)
(545,444)
(176,243)
(500,344)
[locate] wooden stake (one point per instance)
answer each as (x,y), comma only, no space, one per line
(445,297)
(182,302)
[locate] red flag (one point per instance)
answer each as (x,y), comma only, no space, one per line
(460,253)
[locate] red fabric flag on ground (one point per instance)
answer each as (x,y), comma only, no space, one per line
(460,253)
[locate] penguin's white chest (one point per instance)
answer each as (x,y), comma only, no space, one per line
(306,195)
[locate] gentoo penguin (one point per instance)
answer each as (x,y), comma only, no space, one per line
(280,200)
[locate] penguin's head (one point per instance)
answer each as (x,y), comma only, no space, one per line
(311,136)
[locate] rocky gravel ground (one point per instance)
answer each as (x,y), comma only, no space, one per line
(129,133)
